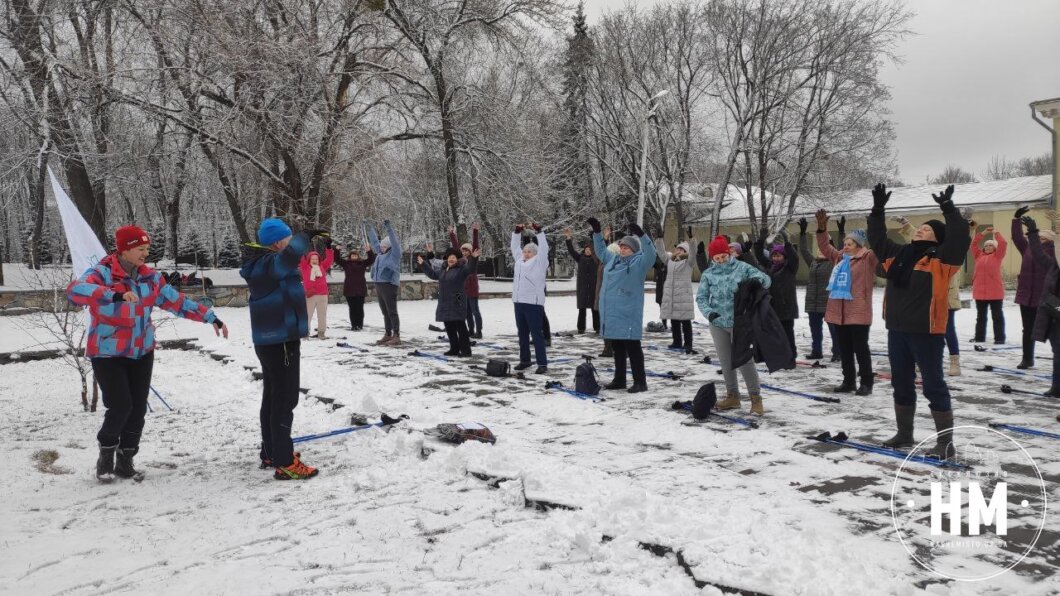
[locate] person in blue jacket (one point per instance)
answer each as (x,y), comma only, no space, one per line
(716,299)
(622,301)
(278,322)
(386,277)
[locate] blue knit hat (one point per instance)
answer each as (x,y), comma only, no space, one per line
(272,230)
(858,236)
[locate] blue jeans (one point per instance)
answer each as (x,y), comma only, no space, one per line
(817,333)
(474,316)
(952,344)
(906,350)
(529,320)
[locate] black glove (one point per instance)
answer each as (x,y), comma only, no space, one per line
(519,228)
(118,297)
(945,200)
(688,231)
(880,196)
(701,249)
(1028,221)
(1021,212)
(217,323)
(634,229)
(802,226)
(841,225)
(594,224)
(744,247)
(713,316)
(537,227)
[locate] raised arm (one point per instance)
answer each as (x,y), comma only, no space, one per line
(428,269)
(542,251)
(370,258)
(791,259)
(976,251)
(328,260)
(287,260)
(1002,245)
(954,251)
(574,254)
(474,237)
(650,253)
(395,243)
(600,248)
(1018,238)
(701,257)
(182,306)
(804,249)
(517,244)
(453,240)
(373,237)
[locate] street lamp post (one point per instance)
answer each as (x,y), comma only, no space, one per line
(644,156)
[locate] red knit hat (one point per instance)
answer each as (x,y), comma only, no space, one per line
(718,246)
(130,237)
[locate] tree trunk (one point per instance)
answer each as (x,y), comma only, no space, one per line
(448,142)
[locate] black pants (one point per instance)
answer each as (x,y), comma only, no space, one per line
(679,328)
(632,349)
(124,383)
(459,339)
(789,332)
(280,366)
(1028,315)
(356,304)
(581,319)
(854,344)
(996,314)
(546,328)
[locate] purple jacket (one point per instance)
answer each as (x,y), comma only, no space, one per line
(1032,271)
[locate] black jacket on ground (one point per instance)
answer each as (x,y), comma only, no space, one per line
(757,331)
(452,300)
(587,270)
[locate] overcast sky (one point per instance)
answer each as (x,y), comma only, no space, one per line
(969,73)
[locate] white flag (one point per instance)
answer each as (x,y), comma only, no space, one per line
(85,249)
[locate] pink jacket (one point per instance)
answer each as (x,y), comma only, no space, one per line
(986,282)
(863,271)
(319,286)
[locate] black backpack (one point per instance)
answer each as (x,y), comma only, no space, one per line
(585,378)
(497,368)
(704,401)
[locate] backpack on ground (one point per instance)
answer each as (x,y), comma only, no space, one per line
(704,401)
(467,431)
(655,326)
(497,368)
(585,378)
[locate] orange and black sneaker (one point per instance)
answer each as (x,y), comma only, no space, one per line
(266,463)
(295,471)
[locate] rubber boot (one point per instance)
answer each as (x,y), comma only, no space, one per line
(903,417)
(756,405)
(731,401)
(943,448)
(955,365)
(105,463)
(123,467)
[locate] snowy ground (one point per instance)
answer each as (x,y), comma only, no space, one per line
(563,503)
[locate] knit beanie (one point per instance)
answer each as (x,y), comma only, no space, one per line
(992,243)
(859,236)
(940,229)
(777,248)
(683,246)
(127,237)
(718,246)
(631,241)
(272,230)
(1047,235)
(530,246)
(467,246)
(736,247)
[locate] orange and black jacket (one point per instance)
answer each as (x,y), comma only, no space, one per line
(922,306)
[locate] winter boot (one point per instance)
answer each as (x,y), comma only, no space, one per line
(943,448)
(865,388)
(731,401)
(105,463)
(637,388)
(756,405)
(608,352)
(1025,364)
(903,416)
(123,466)
(847,386)
(523,366)
(395,340)
(296,471)
(615,385)
(955,365)
(382,341)
(541,370)
(836,358)
(1054,391)
(814,356)
(451,352)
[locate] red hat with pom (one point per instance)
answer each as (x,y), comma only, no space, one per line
(130,237)
(718,246)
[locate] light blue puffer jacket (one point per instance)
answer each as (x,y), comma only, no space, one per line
(717,289)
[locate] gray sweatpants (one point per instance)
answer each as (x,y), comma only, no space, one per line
(387,294)
(723,346)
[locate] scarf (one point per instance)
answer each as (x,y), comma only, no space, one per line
(840,282)
(902,266)
(315,272)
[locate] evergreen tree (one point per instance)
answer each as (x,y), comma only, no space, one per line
(228,257)
(157,232)
(573,180)
(192,250)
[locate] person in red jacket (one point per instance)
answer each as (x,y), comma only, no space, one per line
(354,288)
(315,281)
(988,289)
(471,290)
(120,293)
